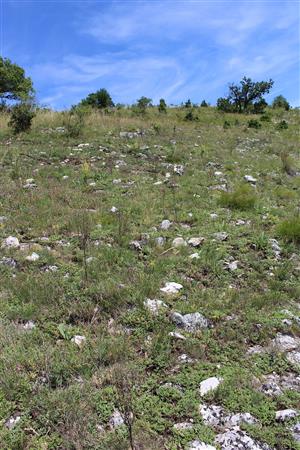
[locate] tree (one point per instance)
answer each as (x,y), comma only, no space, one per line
(14,85)
(162,107)
(188,104)
(280,102)
(204,104)
(99,99)
(224,104)
(143,103)
(247,96)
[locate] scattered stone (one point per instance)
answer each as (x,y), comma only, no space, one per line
(160,241)
(275,247)
(135,245)
(196,242)
(190,322)
(171,288)
(231,265)
(29,325)
(285,343)
(250,179)
(210,384)
(221,236)
(116,420)
(178,169)
(183,426)
(199,445)
(165,225)
(12,422)
(212,415)
(294,358)
(214,216)
(33,257)
(118,181)
(78,340)
(241,418)
(179,242)
(194,256)
(154,306)
(3,219)
(256,349)
(11,242)
(184,358)
(295,429)
(29,184)
(286,414)
(114,209)
(176,335)
(236,439)
(10,262)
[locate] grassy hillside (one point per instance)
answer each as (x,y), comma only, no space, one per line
(82,350)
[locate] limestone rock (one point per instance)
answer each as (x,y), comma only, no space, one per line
(208,385)
(189,322)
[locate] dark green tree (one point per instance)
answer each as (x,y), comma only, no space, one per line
(143,103)
(100,99)
(204,104)
(280,102)
(14,85)
(188,104)
(248,93)
(162,107)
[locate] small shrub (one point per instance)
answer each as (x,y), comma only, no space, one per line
(265,118)
(283,125)
(74,123)
(226,125)
(190,116)
(253,123)
(21,117)
(287,163)
(290,229)
(242,198)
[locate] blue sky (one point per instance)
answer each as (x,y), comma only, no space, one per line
(159,48)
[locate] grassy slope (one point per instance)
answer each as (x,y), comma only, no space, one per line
(63,392)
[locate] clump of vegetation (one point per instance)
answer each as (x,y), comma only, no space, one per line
(246,97)
(282,125)
(191,116)
(242,198)
(100,99)
(280,102)
(226,125)
(142,105)
(288,163)
(162,107)
(73,122)
(253,123)
(265,118)
(21,117)
(290,229)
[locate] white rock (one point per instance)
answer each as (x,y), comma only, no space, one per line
(237,439)
(11,242)
(294,358)
(171,288)
(214,216)
(33,257)
(29,325)
(165,225)
(240,418)
(196,241)
(12,421)
(194,256)
(199,445)
(183,426)
(295,429)
(113,209)
(231,265)
(220,236)
(189,322)
(250,179)
(176,335)
(286,414)
(154,306)
(212,415)
(116,419)
(285,343)
(65,177)
(117,181)
(78,340)
(179,242)
(160,241)
(210,384)
(218,173)
(178,169)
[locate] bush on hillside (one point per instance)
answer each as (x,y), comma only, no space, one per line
(242,198)
(21,117)
(290,230)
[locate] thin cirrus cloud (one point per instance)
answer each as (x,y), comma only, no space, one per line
(171,49)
